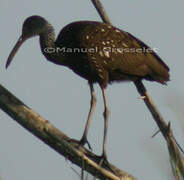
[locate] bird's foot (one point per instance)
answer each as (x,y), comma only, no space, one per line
(84,141)
(105,163)
(81,142)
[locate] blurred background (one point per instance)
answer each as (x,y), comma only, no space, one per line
(62,97)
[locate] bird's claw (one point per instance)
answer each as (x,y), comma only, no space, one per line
(105,163)
(84,141)
(103,160)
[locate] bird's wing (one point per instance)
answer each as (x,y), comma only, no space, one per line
(121,50)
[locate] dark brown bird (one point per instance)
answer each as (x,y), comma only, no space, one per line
(99,53)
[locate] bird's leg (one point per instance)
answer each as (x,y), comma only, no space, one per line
(106,114)
(84,140)
(106,120)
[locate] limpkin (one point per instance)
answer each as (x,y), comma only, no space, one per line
(99,53)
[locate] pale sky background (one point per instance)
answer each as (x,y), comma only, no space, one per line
(62,97)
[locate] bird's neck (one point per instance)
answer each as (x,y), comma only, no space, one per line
(48,47)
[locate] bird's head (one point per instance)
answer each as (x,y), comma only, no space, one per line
(32,26)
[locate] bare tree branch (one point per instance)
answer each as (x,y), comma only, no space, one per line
(56,139)
(101,11)
(165,129)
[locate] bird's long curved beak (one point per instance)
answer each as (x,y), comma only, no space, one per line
(14,50)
